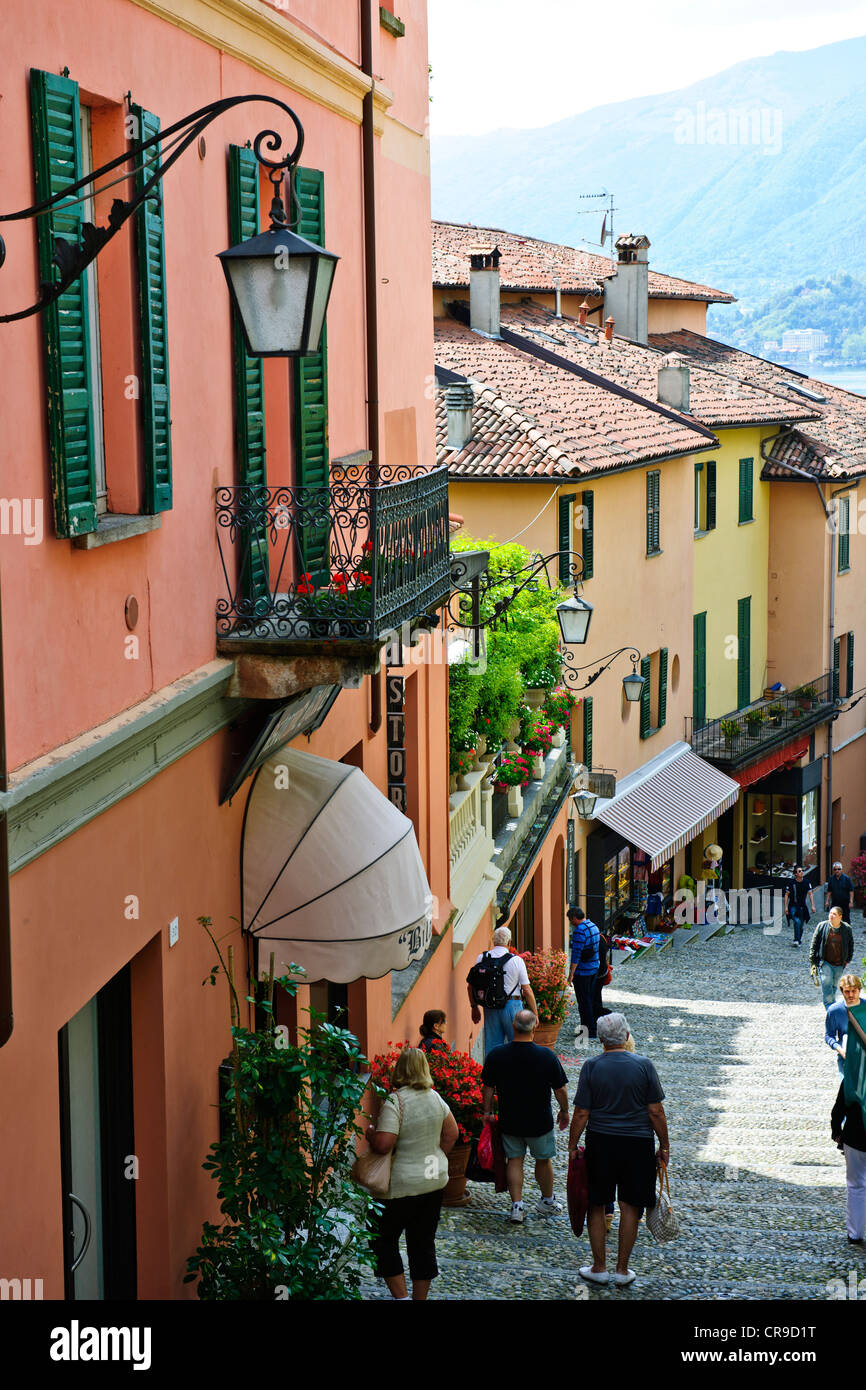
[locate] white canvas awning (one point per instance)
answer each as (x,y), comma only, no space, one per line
(667,802)
(332,874)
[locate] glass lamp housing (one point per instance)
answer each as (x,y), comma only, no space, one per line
(280,285)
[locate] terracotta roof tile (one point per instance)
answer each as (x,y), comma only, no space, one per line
(530,264)
(831,446)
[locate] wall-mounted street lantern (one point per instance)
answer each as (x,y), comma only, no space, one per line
(472,582)
(584,804)
(279,282)
(574,618)
(632,685)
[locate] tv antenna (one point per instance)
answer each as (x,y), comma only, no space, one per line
(607,232)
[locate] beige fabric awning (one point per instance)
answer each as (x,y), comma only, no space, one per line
(667,802)
(332,875)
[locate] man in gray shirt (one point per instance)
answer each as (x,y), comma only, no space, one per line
(619,1103)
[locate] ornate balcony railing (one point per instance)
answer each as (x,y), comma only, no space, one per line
(744,735)
(348,562)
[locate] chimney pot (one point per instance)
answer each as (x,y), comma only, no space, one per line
(673,386)
(484,291)
(608,328)
(582,312)
(459,400)
(626,293)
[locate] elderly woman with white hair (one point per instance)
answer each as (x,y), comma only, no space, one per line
(507,972)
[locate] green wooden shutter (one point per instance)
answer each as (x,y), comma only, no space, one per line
(587,545)
(849,666)
(744,657)
(652,513)
(711,495)
(587,731)
(57,158)
(645,696)
(844,539)
(663,686)
(699,670)
(565,513)
(311,400)
(155,402)
(837,662)
(699,468)
(746,495)
(249,388)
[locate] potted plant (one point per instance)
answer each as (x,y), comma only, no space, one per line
(775,714)
(558,706)
(457,1079)
(538,743)
(462,761)
(808,696)
(753,721)
(731,729)
(511,775)
(547,975)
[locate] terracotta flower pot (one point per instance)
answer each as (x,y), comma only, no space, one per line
(454,1194)
(546,1034)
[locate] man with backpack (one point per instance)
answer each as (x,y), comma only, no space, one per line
(584,966)
(499,984)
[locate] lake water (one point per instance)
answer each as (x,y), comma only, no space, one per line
(848,378)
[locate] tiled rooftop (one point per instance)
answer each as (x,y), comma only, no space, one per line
(530,264)
(536,419)
(831,446)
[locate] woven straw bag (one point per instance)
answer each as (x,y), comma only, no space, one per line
(662,1220)
(373,1171)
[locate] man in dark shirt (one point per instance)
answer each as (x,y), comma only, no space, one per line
(799,901)
(523,1076)
(840,891)
(619,1103)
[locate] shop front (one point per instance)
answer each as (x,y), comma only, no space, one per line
(780,827)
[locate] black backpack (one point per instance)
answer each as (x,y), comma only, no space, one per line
(487,981)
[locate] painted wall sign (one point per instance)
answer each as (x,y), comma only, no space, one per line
(395,690)
(570,885)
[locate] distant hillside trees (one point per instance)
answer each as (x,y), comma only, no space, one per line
(837,306)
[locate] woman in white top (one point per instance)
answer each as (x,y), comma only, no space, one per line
(418,1126)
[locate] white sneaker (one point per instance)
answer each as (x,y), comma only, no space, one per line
(517,1213)
(548,1206)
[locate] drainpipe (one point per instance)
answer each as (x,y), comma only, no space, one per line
(368,150)
(830,514)
(6,1019)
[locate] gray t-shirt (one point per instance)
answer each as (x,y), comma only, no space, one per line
(616,1089)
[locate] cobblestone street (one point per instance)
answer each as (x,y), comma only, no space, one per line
(735,1028)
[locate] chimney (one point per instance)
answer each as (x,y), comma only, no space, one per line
(484,291)
(608,328)
(582,312)
(459,400)
(626,294)
(674,382)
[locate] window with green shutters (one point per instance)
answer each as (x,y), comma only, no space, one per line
(155,401)
(587,539)
(652,512)
(65,323)
(587,732)
(744,651)
(564,542)
(663,688)
(249,385)
(699,511)
(705,497)
(844,534)
(710,519)
(645,698)
(699,670)
(849,665)
(311,399)
(747,470)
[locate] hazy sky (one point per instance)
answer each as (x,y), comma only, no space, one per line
(512,63)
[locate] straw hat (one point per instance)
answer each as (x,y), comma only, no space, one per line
(713,852)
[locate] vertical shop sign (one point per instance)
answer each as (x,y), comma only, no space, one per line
(396,732)
(569,863)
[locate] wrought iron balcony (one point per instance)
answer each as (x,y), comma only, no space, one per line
(347,563)
(745,735)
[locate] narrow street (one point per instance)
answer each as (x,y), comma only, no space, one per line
(735,1028)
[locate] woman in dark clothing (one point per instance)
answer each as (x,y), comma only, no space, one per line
(432,1028)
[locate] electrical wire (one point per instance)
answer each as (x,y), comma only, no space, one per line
(534,519)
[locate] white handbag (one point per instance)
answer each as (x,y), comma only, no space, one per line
(662,1220)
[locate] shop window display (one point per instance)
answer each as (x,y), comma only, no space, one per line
(781,832)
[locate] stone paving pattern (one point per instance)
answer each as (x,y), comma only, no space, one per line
(734,1026)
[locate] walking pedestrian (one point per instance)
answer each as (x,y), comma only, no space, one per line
(523,1075)
(432,1032)
(513,988)
(830,952)
(584,966)
(416,1125)
(619,1104)
(799,901)
(849,1134)
(604,976)
(839,891)
(836,1023)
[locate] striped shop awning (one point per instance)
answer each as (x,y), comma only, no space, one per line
(667,802)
